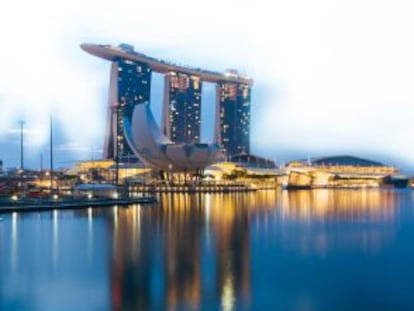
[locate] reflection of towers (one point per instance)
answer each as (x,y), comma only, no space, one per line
(233,253)
(182,255)
(130,85)
(131,267)
(185,225)
(182,107)
(191,252)
(232,130)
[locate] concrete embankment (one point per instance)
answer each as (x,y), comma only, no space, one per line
(27,206)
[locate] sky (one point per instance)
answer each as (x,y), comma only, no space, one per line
(331,77)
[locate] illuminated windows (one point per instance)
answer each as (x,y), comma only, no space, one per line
(234,118)
(184,107)
(133,85)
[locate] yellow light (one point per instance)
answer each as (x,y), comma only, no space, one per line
(14,197)
(115,195)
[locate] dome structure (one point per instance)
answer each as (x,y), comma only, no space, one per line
(157,151)
(344,160)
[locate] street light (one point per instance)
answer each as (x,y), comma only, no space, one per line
(115,111)
(21,122)
(51,153)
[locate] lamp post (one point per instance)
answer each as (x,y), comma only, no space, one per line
(51,153)
(21,183)
(21,144)
(115,111)
(41,167)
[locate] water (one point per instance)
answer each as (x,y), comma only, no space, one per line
(301,250)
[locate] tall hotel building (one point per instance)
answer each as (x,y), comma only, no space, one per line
(182,108)
(130,84)
(233,118)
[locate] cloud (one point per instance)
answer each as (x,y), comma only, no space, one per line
(336,75)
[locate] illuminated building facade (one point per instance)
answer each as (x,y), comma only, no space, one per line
(130,85)
(233,118)
(342,171)
(182,107)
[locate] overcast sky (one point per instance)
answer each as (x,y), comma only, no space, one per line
(331,77)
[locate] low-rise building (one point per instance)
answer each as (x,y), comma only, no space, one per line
(340,171)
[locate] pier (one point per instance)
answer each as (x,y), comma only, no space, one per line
(29,205)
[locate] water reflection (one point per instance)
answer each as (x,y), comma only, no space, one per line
(325,204)
(366,218)
(161,260)
(90,236)
(190,252)
(14,242)
(55,245)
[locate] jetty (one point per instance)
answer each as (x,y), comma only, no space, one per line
(35,205)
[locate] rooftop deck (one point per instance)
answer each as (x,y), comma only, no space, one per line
(111,53)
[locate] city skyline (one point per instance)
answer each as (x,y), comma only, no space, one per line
(331,78)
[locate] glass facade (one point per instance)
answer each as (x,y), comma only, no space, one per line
(234,118)
(133,88)
(184,107)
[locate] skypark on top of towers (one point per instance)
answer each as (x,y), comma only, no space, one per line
(126,51)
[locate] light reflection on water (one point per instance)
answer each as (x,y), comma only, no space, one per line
(263,250)
(323,212)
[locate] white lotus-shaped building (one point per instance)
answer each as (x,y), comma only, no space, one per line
(157,151)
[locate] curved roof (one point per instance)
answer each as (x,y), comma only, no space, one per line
(125,51)
(156,150)
(345,160)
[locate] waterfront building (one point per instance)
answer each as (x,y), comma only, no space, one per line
(182,107)
(340,171)
(256,175)
(104,171)
(131,85)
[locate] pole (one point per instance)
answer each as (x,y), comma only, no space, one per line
(51,152)
(41,166)
(116,166)
(117,147)
(21,144)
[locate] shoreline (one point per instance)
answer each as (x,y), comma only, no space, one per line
(59,205)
